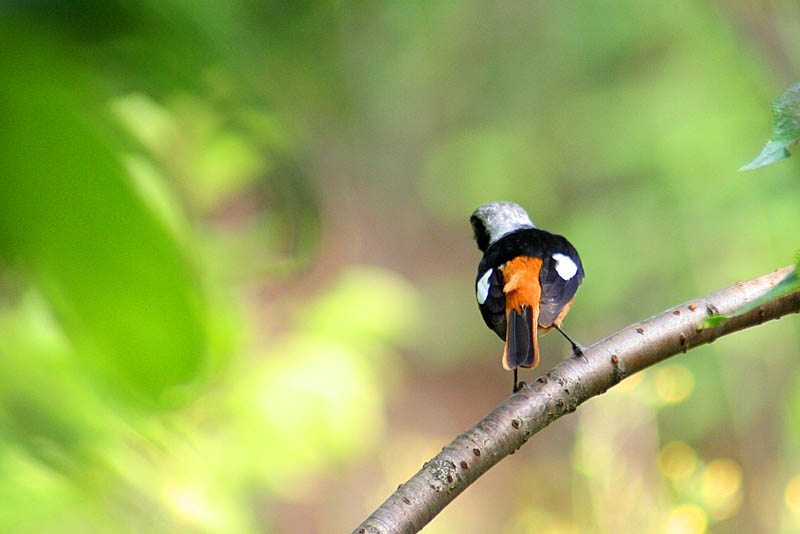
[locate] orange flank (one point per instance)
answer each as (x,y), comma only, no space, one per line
(523,288)
(563,314)
(557,322)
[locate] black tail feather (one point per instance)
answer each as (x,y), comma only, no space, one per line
(520,345)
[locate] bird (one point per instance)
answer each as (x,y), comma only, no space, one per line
(527,280)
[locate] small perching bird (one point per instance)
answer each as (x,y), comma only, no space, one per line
(526,281)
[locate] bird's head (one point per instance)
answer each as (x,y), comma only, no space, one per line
(492,221)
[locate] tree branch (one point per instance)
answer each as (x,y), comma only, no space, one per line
(562,390)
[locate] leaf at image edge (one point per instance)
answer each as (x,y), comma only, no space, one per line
(772,152)
(119,282)
(785,129)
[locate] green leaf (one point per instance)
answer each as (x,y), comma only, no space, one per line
(773,151)
(785,129)
(72,219)
(790,284)
(715,320)
(786,115)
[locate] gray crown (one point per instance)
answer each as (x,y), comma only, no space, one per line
(501,218)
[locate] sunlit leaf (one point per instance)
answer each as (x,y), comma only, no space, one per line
(367,304)
(312,403)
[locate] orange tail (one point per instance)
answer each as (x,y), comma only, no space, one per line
(523,292)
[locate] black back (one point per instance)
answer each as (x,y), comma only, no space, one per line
(556,292)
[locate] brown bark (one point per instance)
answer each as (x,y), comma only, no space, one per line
(563,389)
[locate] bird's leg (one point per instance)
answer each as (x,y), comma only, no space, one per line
(577,348)
(518,385)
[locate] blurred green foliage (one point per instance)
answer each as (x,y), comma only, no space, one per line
(236,270)
(118,281)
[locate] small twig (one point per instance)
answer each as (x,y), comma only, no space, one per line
(562,390)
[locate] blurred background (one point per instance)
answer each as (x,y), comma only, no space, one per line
(236,268)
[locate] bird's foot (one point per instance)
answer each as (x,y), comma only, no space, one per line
(578,351)
(519,385)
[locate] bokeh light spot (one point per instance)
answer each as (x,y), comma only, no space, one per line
(677,460)
(190,504)
(687,519)
(629,384)
(792,495)
(721,479)
(674,383)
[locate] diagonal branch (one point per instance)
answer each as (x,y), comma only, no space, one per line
(562,390)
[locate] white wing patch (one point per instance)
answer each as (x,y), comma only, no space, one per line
(565,267)
(482,287)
